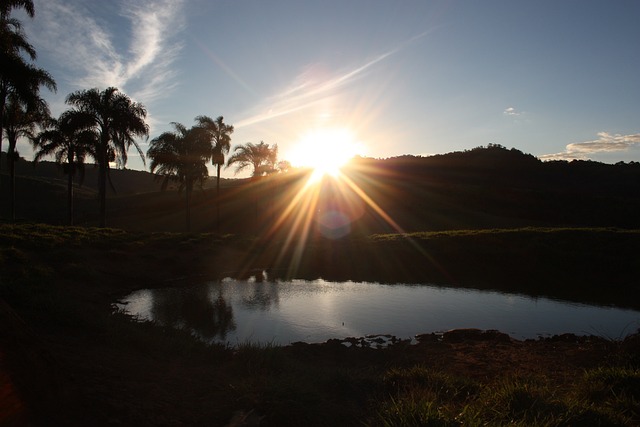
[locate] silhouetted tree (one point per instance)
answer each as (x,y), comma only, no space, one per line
(7,5)
(117,121)
(284,166)
(20,122)
(18,78)
(70,140)
(181,156)
(220,134)
(261,157)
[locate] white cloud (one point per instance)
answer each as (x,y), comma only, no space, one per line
(97,48)
(511,111)
(307,90)
(606,143)
(563,156)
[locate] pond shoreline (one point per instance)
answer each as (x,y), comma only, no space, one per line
(280,312)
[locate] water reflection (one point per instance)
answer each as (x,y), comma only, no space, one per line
(196,309)
(237,311)
(260,295)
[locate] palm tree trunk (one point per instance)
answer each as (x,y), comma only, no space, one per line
(188,206)
(12,184)
(102,182)
(3,99)
(70,174)
(70,198)
(218,198)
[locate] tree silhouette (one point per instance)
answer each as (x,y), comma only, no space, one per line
(20,122)
(117,121)
(70,140)
(7,5)
(181,156)
(220,135)
(261,157)
(18,78)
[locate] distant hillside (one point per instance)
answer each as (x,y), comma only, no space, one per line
(125,181)
(42,190)
(507,187)
(486,187)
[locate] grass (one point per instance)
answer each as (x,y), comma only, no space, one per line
(534,401)
(62,282)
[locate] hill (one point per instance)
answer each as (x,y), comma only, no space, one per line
(497,187)
(486,187)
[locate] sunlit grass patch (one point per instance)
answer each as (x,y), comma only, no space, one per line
(443,386)
(616,388)
(421,396)
(412,410)
(517,399)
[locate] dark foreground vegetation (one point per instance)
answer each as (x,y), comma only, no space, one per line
(67,359)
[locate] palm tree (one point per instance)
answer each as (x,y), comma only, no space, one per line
(181,156)
(20,122)
(260,156)
(17,76)
(220,134)
(70,141)
(22,81)
(117,121)
(7,5)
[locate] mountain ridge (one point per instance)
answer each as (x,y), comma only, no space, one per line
(485,187)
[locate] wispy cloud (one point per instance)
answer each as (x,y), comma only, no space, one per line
(303,93)
(308,90)
(511,111)
(131,47)
(606,143)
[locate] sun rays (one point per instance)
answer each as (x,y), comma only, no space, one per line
(327,208)
(325,151)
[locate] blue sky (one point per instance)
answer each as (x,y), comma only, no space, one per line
(557,79)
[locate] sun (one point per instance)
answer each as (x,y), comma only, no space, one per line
(325,151)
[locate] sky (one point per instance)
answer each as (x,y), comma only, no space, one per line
(557,79)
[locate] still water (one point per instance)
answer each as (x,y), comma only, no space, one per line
(236,311)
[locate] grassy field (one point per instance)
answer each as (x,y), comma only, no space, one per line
(68,359)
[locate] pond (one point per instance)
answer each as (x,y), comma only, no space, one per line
(239,311)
